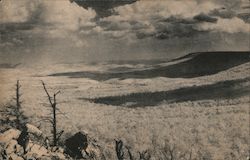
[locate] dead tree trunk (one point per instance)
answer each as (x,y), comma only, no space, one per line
(53,119)
(20,118)
(54,122)
(13,114)
(18,105)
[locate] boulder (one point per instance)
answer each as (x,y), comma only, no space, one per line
(23,139)
(34,130)
(3,152)
(13,156)
(36,150)
(10,147)
(75,144)
(45,158)
(30,157)
(1,148)
(9,135)
(94,151)
(58,155)
(13,147)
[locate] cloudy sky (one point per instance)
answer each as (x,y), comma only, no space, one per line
(84,30)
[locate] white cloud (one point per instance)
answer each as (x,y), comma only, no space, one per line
(153,10)
(16,11)
(145,17)
(61,14)
(234,25)
(149,17)
(66,15)
(50,19)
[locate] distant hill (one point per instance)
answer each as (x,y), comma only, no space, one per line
(189,66)
(205,63)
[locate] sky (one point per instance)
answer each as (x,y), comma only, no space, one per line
(34,31)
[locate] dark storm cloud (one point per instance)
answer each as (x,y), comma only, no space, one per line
(103,8)
(175,26)
(176,19)
(223,13)
(205,18)
(245,17)
(235,8)
(243,14)
(176,30)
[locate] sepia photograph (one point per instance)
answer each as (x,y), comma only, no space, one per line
(124,79)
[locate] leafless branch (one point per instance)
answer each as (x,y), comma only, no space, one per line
(53,118)
(46,91)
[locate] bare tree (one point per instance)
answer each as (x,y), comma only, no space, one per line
(13,112)
(18,105)
(53,118)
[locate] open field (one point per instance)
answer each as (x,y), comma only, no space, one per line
(147,105)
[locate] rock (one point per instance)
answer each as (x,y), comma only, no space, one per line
(36,150)
(34,130)
(13,156)
(13,147)
(30,157)
(9,135)
(54,149)
(19,150)
(58,155)
(2,149)
(84,154)
(3,152)
(75,145)
(93,151)
(61,150)
(45,158)
(23,139)
(10,147)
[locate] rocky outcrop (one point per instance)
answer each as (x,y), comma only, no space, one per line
(9,135)
(30,143)
(34,130)
(10,149)
(94,151)
(75,144)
